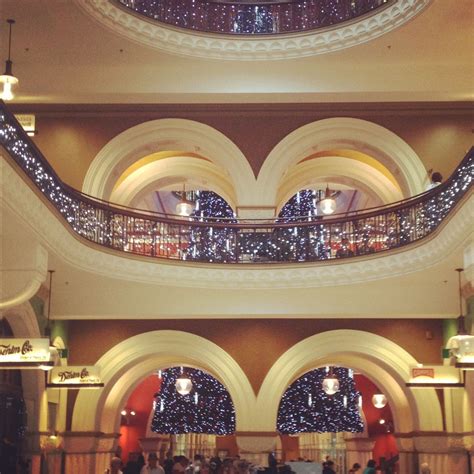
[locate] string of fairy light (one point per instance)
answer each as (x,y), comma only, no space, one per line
(205,237)
(306,408)
(207,408)
(250,18)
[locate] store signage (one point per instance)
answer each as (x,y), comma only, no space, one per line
(435,375)
(28,123)
(21,351)
(77,376)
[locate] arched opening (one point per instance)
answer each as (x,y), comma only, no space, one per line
(13,419)
(346,152)
(373,356)
(125,365)
(157,418)
(152,153)
(320,419)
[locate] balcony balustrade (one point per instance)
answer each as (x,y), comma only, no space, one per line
(279,241)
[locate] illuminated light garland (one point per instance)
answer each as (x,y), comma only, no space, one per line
(253,18)
(208,408)
(306,408)
(311,239)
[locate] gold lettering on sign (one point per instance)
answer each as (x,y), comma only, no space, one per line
(423,372)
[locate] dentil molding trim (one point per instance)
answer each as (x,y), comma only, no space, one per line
(189,43)
(50,230)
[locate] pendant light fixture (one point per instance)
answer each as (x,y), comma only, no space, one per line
(328,204)
(184,208)
(379,400)
(461,346)
(183,385)
(7,78)
(330,383)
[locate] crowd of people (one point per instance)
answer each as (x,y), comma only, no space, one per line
(215,465)
(179,465)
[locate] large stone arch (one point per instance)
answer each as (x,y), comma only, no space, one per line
(165,135)
(375,356)
(24,323)
(123,366)
(342,133)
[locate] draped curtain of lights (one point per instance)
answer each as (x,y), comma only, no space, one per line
(208,408)
(306,408)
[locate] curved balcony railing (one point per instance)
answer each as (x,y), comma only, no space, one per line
(257,17)
(217,241)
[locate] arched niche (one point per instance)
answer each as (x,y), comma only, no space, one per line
(123,366)
(376,357)
(343,133)
(163,135)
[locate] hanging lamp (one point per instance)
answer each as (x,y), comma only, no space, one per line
(328,204)
(461,346)
(379,400)
(330,383)
(184,208)
(7,78)
(183,384)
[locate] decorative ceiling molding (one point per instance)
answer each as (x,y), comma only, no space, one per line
(50,230)
(198,44)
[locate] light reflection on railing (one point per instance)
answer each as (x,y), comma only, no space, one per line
(252,17)
(245,242)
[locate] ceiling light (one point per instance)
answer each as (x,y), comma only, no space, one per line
(328,204)
(124,412)
(379,400)
(382,421)
(7,78)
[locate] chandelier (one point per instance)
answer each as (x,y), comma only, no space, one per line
(7,78)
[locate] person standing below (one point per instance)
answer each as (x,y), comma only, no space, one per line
(370,469)
(152,467)
(115,466)
(355,468)
(329,467)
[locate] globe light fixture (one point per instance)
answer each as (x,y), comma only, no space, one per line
(330,384)
(328,204)
(184,208)
(379,400)
(7,78)
(183,385)
(461,346)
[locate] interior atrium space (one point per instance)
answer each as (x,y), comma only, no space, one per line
(236,237)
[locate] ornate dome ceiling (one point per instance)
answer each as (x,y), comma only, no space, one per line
(253,17)
(252,29)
